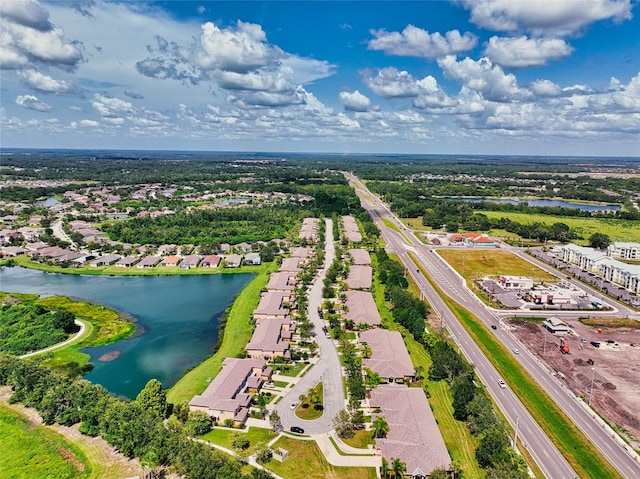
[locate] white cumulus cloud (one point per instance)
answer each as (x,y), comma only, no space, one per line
(32,102)
(545,17)
(41,82)
(354,101)
(416,42)
(522,52)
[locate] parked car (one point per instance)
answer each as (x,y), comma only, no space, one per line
(297,430)
(516,351)
(493,326)
(294,404)
(502,384)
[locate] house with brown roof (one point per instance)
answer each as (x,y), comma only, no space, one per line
(360,256)
(273,305)
(149,262)
(292,265)
(229,394)
(309,229)
(171,261)
(106,260)
(12,251)
(413,435)
(270,339)
(351,230)
(359,277)
(361,309)
(211,261)
(282,282)
(301,252)
(389,356)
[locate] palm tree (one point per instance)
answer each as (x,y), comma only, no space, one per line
(398,467)
(380,427)
(384,469)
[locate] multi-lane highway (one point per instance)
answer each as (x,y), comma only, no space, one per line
(402,241)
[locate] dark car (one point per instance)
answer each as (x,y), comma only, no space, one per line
(493,326)
(297,430)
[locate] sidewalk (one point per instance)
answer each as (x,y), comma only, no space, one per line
(334,458)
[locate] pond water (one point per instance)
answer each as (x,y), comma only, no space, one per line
(177,320)
(561,203)
(48,202)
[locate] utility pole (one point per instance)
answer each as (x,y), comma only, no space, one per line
(515,436)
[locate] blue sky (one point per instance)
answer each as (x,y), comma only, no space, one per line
(548,77)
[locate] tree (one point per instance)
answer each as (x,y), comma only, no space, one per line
(199,423)
(380,427)
(439,473)
(342,424)
(274,421)
(492,448)
(398,467)
(463,391)
(64,320)
(263,455)
(153,398)
(239,441)
(259,474)
(384,469)
(599,240)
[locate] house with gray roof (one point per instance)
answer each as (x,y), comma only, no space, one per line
(229,396)
(127,261)
(413,435)
(282,282)
(389,356)
(292,265)
(149,262)
(252,258)
(190,261)
(232,261)
(106,260)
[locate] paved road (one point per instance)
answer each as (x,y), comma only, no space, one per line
(542,450)
(72,339)
(59,232)
(327,370)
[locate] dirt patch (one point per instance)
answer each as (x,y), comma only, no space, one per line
(108,357)
(613,370)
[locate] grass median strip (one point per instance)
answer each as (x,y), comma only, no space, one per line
(572,443)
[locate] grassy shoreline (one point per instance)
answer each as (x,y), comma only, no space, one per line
(235,333)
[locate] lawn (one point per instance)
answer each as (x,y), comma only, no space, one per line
(306,460)
(236,334)
(288,369)
(310,413)
(472,264)
(258,437)
(361,439)
(572,443)
(37,452)
(617,230)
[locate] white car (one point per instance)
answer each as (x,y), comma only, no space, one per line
(294,405)
(515,351)
(502,384)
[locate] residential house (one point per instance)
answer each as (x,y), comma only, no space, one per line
(228,397)
(389,356)
(361,309)
(252,258)
(273,305)
(149,262)
(359,277)
(232,261)
(190,261)
(270,339)
(127,261)
(291,265)
(106,260)
(282,282)
(413,435)
(170,261)
(360,256)
(211,261)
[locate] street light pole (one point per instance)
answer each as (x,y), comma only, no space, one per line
(593,373)
(515,436)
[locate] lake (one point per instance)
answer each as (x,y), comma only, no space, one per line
(560,203)
(177,319)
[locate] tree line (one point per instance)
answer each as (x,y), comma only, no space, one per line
(136,428)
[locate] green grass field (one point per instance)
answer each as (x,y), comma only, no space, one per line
(237,333)
(617,230)
(258,437)
(306,461)
(309,413)
(575,447)
(491,262)
(37,452)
